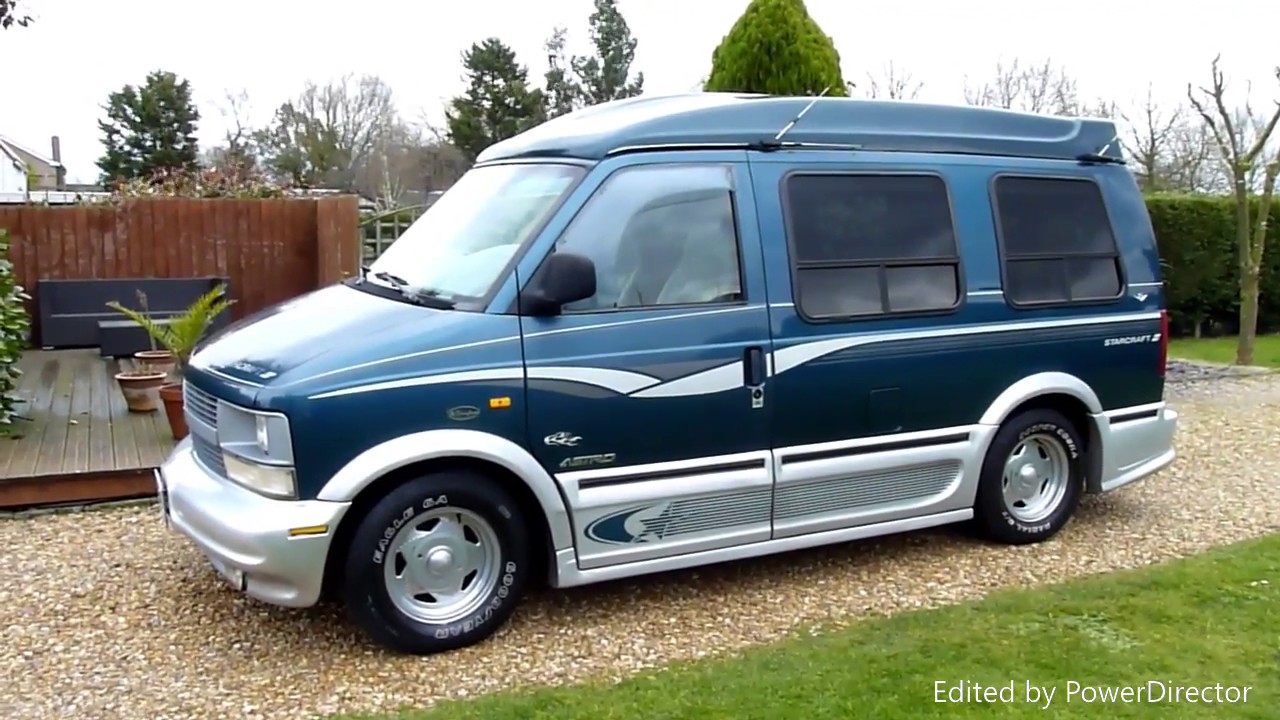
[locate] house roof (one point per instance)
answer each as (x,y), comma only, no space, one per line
(5,140)
(12,156)
(742,120)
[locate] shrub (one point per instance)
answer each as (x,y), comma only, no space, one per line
(1196,236)
(776,48)
(14,326)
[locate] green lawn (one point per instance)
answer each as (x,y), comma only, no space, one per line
(1213,619)
(1266,352)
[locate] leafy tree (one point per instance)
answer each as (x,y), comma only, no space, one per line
(148,129)
(498,103)
(776,48)
(571,83)
(10,15)
(561,91)
(606,75)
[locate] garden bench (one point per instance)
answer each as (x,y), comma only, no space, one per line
(74,313)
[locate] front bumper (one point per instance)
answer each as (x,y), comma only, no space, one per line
(246,536)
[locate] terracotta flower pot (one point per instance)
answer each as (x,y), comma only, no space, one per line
(136,387)
(161,361)
(171,396)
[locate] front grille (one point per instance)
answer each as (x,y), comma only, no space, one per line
(201,407)
(200,404)
(209,455)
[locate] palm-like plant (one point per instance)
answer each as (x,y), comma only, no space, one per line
(183,332)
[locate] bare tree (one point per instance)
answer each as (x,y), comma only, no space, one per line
(236,154)
(893,83)
(410,163)
(1151,135)
(328,132)
(1193,165)
(1242,146)
(1039,88)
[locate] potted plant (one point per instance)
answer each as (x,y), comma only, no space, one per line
(136,384)
(179,336)
(156,360)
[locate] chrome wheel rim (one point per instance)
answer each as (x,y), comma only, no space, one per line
(441,565)
(1035,479)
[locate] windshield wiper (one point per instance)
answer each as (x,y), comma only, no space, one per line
(428,298)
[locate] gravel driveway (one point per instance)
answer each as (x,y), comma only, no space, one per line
(105,615)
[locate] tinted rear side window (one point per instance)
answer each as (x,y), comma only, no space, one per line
(871,245)
(1056,241)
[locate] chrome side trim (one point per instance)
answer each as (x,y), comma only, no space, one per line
(657,510)
(406,449)
(568,574)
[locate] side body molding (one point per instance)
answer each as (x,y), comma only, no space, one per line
(407,449)
(1046,383)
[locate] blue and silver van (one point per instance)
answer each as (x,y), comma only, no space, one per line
(671,331)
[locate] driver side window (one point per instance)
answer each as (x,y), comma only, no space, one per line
(659,235)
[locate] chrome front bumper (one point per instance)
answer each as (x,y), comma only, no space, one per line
(246,536)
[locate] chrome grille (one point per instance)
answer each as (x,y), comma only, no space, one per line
(200,404)
(208,454)
(201,410)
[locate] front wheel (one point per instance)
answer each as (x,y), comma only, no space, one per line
(438,564)
(1032,478)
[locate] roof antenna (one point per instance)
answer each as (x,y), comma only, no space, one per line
(787,128)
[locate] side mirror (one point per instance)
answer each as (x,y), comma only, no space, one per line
(563,278)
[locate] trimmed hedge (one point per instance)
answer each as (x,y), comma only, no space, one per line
(1196,236)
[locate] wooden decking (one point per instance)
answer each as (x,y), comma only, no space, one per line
(77,421)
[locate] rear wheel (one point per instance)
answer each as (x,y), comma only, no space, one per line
(1032,478)
(439,563)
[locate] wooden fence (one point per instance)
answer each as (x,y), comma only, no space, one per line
(380,230)
(271,250)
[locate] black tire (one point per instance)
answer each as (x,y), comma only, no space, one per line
(994,517)
(365,593)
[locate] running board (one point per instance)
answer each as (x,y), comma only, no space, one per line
(568,574)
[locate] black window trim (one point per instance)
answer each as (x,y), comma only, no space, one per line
(737,234)
(1003,256)
(794,266)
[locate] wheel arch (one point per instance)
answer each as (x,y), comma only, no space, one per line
(1066,394)
(372,473)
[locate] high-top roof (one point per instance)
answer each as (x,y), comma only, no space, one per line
(737,120)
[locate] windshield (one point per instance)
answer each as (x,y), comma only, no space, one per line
(459,247)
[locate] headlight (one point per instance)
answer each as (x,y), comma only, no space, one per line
(257,450)
(274,480)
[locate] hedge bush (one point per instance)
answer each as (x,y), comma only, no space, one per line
(14,327)
(1197,241)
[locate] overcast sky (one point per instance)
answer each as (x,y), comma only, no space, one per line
(59,70)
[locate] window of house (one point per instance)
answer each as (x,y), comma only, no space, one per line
(871,245)
(1056,241)
(659,235)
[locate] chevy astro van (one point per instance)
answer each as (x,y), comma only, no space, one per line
(665,332)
